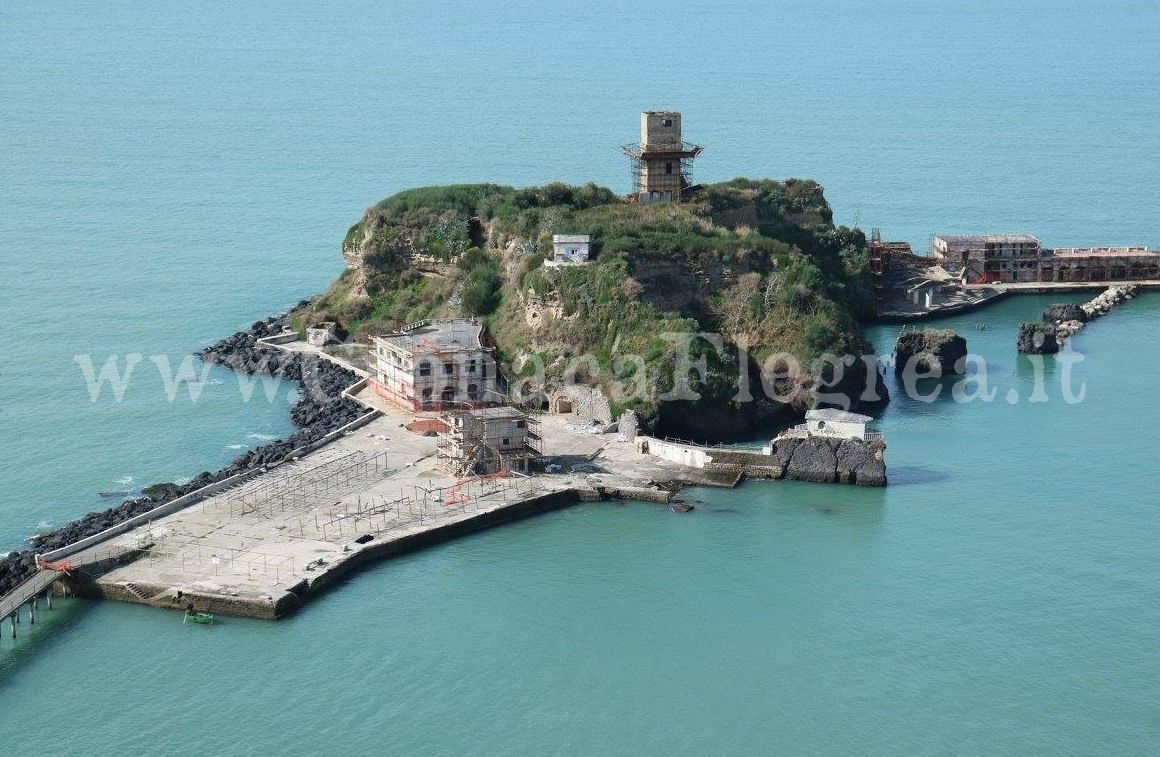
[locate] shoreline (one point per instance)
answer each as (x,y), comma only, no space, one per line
(317,413)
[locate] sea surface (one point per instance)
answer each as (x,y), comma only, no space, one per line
(171,172)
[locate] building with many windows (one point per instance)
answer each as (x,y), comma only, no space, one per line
(436,365)
(991,258)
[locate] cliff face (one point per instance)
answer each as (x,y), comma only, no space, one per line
(938,350)
(759,262)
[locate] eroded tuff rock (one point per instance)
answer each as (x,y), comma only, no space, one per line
(817,459)
(1037,339)
(932,350)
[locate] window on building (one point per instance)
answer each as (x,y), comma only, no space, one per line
(448,368)
(506,442)
(424,369)
(666,122)
(520,424)
(668,167)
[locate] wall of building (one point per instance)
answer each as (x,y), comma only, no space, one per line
(656,175)
(683,454)
(424,381)
(654,132)
(838,429)
(574,252)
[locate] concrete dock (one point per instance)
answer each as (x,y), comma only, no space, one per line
(267,545)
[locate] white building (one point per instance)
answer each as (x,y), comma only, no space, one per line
(569,249)
(830,423)
(436,365)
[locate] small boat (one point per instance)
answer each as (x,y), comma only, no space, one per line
(205,618)
(113,495)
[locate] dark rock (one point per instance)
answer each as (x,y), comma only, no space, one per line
(1059,313)
(934,350)
(814,460)
(681,507)
(1037,339)
(161,492)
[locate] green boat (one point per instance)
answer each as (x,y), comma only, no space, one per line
(205,618)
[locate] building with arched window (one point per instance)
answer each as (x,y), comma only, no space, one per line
(437,365)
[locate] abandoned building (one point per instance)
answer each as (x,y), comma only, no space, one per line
(487,441)
(324,333)
(1019,258)
(661,162)
(991,258)
(1100,264)
(436,365)
(569,249)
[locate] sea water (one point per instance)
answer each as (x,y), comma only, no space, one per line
(171,173)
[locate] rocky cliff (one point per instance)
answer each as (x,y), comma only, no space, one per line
(816,459)
(932,350)
(758,262)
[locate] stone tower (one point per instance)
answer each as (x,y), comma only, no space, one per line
(661,161)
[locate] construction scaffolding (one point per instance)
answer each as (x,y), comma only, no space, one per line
(652,168)
(489,440)
(296,487)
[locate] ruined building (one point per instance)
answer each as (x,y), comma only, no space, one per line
(436,365)
(489,440)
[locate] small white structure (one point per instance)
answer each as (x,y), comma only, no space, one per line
(569,249)
(829,423)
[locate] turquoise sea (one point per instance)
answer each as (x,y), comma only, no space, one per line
(170,173)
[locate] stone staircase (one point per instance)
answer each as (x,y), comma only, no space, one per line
(137,591)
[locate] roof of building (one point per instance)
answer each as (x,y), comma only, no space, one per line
(833,414)
(987,238)
(497,413)
(427,337)
(569,239)
(1102,252)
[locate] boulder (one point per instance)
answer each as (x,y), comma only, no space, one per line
(934,350)
(1062,312)
(814,460)
(1037,339)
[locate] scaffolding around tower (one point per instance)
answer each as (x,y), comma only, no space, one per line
(662,161)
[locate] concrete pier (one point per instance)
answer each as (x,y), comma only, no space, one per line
(264,547)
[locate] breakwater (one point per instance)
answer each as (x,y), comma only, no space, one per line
(321,409)
(1061,322)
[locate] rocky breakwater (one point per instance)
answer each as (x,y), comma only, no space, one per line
(1061,322)
(814,458)
(937,351)
(320,409)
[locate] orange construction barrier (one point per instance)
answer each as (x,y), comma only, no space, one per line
(60,567)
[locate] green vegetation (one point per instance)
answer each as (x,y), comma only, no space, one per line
(759,258)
